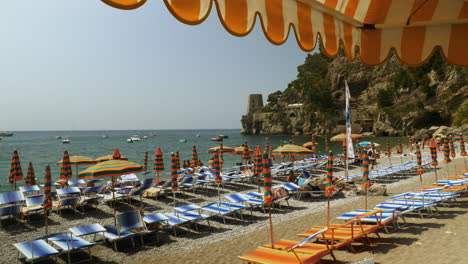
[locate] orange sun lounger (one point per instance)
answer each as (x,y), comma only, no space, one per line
(264,255)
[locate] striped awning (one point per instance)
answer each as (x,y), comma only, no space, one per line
(412,28)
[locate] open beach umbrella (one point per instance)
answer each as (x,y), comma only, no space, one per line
(365,175)
(240,150)
(30,179)
(145,162)
(221,149)
(16,172)
(109,157)
(217,169)
(246,153)
(268,195)
(372,29)
(342,137)
(194,155)
(433,148)
(420,169)
(66,171)
(291,150)
(111,168)
(47,202)
(174,169)
(329,187)
(77,161)
(158,162)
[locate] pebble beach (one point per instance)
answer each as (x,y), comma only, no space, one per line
(223,243)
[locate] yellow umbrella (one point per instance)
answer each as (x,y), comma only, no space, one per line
(224,149)
(108,157)
(309,144)
(239,150)
(342,137)
(78,160)
(293,150)
(411,29)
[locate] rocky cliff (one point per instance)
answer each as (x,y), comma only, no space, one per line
(390,99)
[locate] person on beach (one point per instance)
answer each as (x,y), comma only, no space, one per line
(371,155)
(292,177)
(423,143)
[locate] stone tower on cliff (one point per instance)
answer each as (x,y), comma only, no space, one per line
(254,104)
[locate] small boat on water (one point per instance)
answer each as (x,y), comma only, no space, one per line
(145,137)
(151,134)
(58,137)
(197,135)
(135,138)
(5,134)
(223,136)
(129,140)
(104,136)
(1,138)
(182,140)
(66,141)
(217,139)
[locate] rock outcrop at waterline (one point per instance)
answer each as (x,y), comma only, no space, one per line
(391,99)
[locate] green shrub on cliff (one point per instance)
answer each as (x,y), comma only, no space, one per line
(461,117)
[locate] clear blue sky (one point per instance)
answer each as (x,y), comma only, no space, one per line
(79,65)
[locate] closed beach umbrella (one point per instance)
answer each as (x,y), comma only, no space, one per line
(79,160)
(145,162)
(358,150)
(246,153)
(462,147)
(433,146)
(109,157)
(174,168)
(66,171)
(389,150)
(217,169)
(446,151)
(365,175)
(267,195)
(452,147)
(16,172)
(329,187)
(258,161)
(177,159)
(30,176)
(327,146)
(267,148)
(111,168)
(420,169)
(47,202)
(158,161)
(194,155)
(400,147)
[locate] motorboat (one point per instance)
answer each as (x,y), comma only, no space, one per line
(145,137)
(217,139)
(135,138)
(5,134)
(151,134)
(105,136)
(65,141)
(223,136)
(182,140)
(129,140)
(58,137)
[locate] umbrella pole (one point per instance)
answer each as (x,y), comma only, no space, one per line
(46,215)
(271,226)
(365,199)
(219,199)
(447,170)
(113,200)
(435,172)
(328,211)
(76,166)
(173,195)
(390,160)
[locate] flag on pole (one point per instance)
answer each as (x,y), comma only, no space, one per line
(349,140)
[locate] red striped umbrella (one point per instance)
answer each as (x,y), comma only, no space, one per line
(158,161)
(433,146)
(329,187)
(452,147)
(365,175)
(358,150)
(174,168)
(47,202)
(217,169)
(177,159)
(400,147)
(66,171)
(246,153)
(267,196)
(420,169)
(446,151)
(462,147)
(267,148)
(16,172)
(327,146)
(194,155)
(145,162)
(258,161)
(30,177)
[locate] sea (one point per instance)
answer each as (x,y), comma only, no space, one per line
(42,147)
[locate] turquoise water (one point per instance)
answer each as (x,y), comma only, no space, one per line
(43,148)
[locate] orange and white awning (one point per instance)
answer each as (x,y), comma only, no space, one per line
(412,28)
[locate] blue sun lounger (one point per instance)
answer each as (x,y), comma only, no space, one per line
(11,197)
(36,250)
(69,243)
(127,224)
(216,209)
(34,204)
(174,221)
(384,217)
(33,189)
